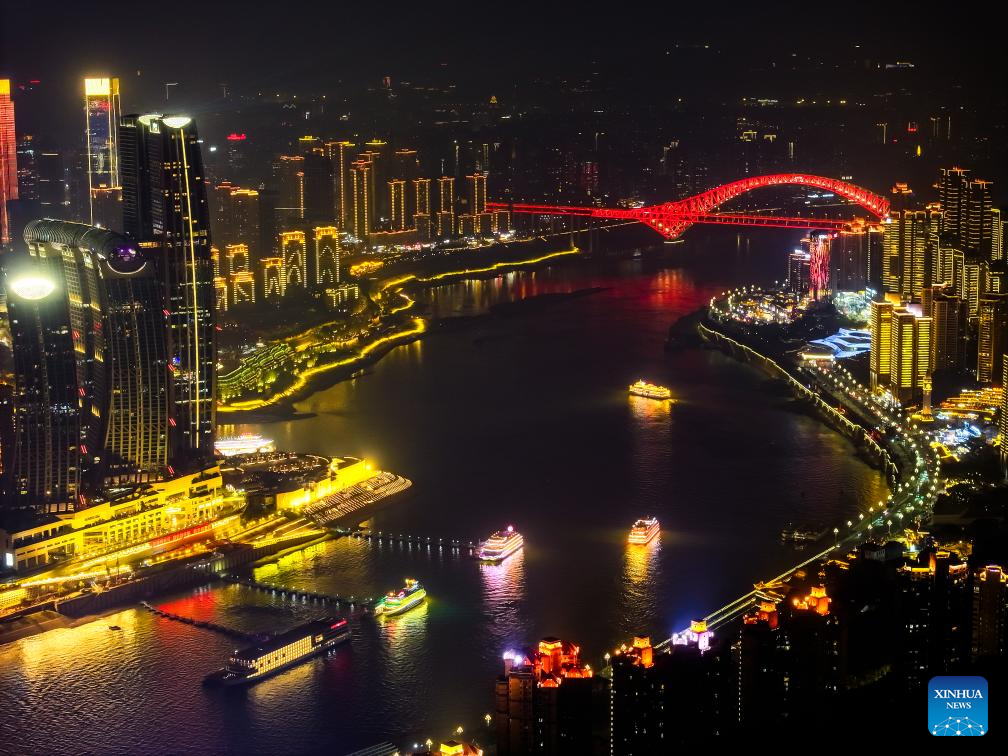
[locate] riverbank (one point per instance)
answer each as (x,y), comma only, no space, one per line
(279,406)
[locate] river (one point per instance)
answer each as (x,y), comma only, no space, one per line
(507,415)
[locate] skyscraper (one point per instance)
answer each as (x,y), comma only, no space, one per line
(881,338)
(908,241)
(327,256)
(339,154)
(446,207)
(954,199)
(397,204)
(88,341)
(992,337)
(101,106)
(294,253)
(289,174)
(8,159)
(165,208)
(362,212)
(948,319)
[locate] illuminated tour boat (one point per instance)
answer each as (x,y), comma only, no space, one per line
(246,443)
(644,531)
(397,602)
(285,650)
(649,390)
(501,545)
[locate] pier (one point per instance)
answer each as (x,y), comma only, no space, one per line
(459,545)
(295,593)
(205,625)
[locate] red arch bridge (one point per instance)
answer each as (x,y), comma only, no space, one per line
(671,219)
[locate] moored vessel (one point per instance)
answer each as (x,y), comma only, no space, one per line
(644,531)
(649,390)
(501,545)
(280,652)
(397,602)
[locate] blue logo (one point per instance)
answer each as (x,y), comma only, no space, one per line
(957,706)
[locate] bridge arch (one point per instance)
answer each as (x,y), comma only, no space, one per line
(705,202)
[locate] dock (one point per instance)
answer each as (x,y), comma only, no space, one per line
(205,625)
(460,545)
(296,594)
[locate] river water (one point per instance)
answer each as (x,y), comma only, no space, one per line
(512,415)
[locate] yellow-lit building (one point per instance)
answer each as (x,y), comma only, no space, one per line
(242,287)
(342,473)
(156,512)
(397,204)
(221,299)
(292,248)
(880,324)
(992,337)
(327,256)
(273,278)
(446,207)
(362,214)
(339,154)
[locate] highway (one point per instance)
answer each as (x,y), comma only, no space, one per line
(910,458)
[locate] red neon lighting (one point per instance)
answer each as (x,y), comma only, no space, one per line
(234,137)
(671,219)
(180,535)
(336,625)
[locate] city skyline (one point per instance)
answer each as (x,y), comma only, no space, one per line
(540,383)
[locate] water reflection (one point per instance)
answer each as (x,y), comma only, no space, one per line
(503,595)
(640,596)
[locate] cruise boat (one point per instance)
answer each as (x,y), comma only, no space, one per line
(280,652)
(397,602)
(501,545)
(644,531)
(649,390)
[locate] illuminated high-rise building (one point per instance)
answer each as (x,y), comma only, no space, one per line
(379,153)
(446,207)
(971,283)
(953,195)
(88,338)
(880,323)
(101,107)
(852,254)
(477,193)
(235,217)
(340,156)
(327,256)
(55,305)
(992,337)
(422,196)
(799,273)
(273,279)
(397,204)
(289,174)
(1003,422)
(979,219)
(997,236)
(909,354)
(909,239)
(237,259)
(948,320)
(294,253)
(242,286)
(362,216)
(165,207)
(8,160)
(221,301)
